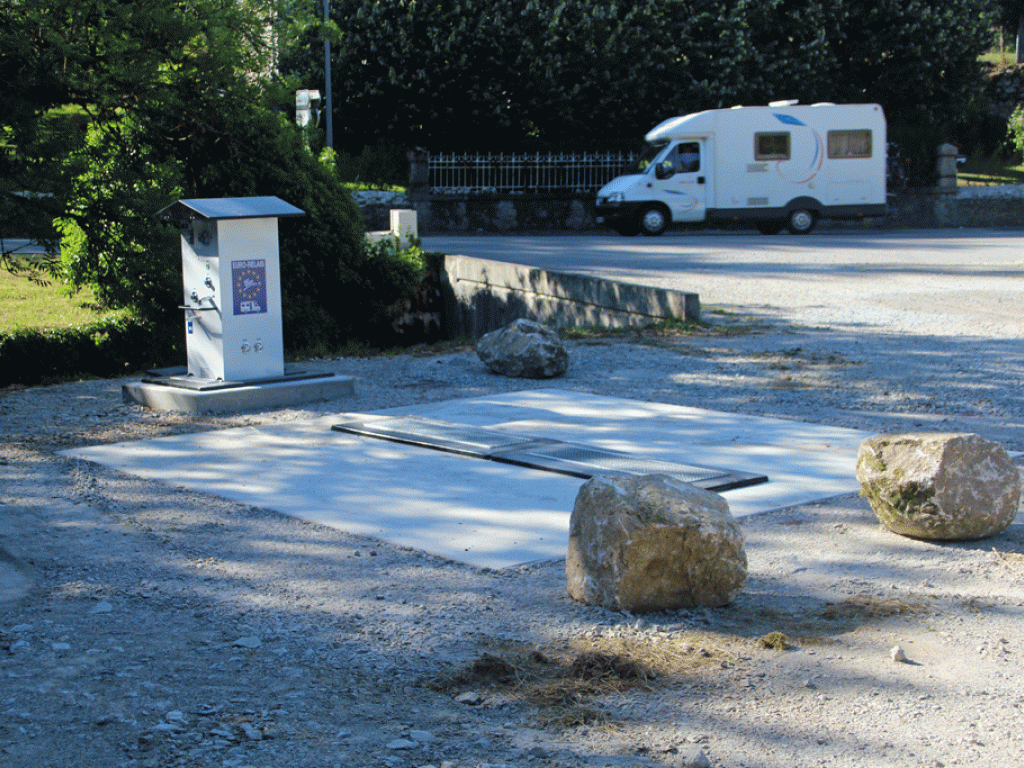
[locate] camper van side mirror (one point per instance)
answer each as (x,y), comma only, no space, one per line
(664,169)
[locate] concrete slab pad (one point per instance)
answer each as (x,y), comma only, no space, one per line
(478,511)
(253,397)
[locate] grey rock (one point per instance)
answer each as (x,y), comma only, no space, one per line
(524,349)
(224,732)
(401,744)
(247,642)
(103,607)
(168,728)
(695,758)
(653,543)
(469,697)
(944,486)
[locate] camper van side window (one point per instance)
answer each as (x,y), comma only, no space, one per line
(847,144)
(688,157)
(771,146)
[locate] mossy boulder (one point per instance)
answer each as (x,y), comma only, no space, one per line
(944,486)
(653,543)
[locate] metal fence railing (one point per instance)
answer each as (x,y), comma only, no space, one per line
(530,173)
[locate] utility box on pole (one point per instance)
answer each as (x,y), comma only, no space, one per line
(231,300)
(307,107)
(231,272)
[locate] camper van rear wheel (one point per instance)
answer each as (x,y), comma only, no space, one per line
(653,220)
(800,222)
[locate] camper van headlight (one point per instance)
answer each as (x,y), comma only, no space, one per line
(615,198)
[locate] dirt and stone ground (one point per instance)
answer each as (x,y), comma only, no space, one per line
(148,626)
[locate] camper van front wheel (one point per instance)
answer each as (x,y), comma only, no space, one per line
(800,222)
(653,220)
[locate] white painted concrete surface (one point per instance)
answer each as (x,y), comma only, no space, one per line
(473,510)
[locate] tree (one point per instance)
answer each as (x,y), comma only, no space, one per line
(98,59)
(558,74)
(750,52)
(460,74)
(1009,14)
(178,105)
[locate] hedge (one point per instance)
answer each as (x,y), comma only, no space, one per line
(102,349)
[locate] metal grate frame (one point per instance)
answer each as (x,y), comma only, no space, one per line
(574,459)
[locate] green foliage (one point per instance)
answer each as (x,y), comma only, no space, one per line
(918,59)
(561,74)
(108,58)
(1008,14)
(109,239)
(1016,127)
(379,165)
(176,103)
(462,73)
(103,348)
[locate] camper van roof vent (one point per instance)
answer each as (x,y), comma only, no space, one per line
(784,103)
(824,104)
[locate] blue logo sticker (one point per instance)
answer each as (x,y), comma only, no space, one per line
(249,286)
(788,119)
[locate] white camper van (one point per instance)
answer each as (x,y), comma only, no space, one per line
(784,165)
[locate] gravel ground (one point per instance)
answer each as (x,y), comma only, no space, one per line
(162,627)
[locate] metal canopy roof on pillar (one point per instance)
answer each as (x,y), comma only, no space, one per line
(229,208)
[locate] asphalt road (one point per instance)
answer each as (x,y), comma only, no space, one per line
(936,282)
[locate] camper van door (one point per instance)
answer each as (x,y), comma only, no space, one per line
(681,182)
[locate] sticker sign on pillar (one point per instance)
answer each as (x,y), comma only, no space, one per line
(249,286)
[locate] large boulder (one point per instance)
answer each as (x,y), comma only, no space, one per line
(524,349)
(946,486)
(653,543)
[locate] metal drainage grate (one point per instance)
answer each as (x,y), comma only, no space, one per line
(440,435)
(573,459)
(588,459)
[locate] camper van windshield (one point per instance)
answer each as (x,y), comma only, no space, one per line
(649,156)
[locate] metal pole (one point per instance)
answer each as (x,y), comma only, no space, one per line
(327,81)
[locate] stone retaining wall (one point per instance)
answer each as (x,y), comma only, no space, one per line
(997,206)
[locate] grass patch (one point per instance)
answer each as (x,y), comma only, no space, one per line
(563,687)
(560,686)
(999,58)
(774,640)
(660,329)
(1014,559)
(990,172)
(25,303)
(666,327)
(864,608)
(365,186)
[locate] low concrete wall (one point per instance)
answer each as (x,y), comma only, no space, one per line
(484,295)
